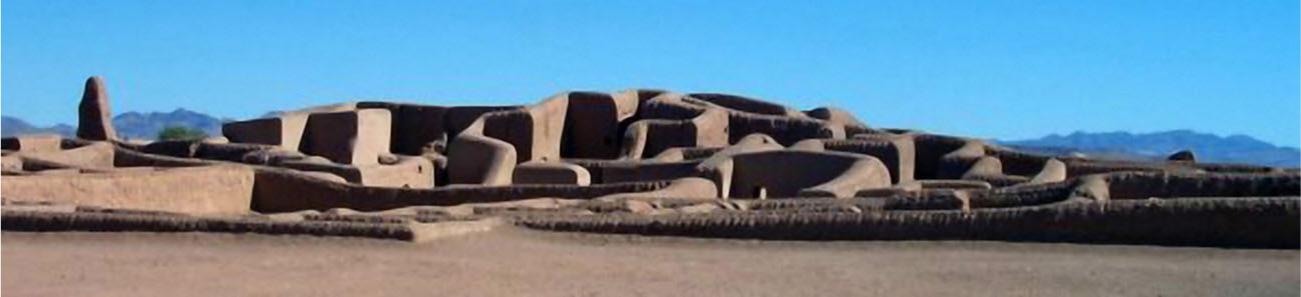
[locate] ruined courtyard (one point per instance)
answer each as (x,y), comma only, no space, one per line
(641,162)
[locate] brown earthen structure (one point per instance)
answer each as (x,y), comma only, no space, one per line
(638,162)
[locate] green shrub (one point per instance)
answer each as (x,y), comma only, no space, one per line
(181,133)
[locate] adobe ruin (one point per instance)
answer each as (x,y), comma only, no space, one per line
(639,161)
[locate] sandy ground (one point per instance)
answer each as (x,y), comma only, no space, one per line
(514,262)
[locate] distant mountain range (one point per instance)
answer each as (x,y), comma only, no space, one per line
(137,125)
(1114,145)
(130,125)
(11,126)
(1210,148)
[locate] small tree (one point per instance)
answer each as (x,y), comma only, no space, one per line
(181,133)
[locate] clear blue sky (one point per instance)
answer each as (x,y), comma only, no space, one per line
(994,69)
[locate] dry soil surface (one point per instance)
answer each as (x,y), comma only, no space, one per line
(514,262)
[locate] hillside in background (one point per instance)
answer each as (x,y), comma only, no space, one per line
(1113,145)
(137,125)
(1157,145)
(11,126)
(130,125)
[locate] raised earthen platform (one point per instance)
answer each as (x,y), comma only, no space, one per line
(514,262)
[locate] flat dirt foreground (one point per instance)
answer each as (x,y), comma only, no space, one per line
(512,262)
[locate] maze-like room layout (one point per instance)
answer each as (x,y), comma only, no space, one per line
(647,162)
